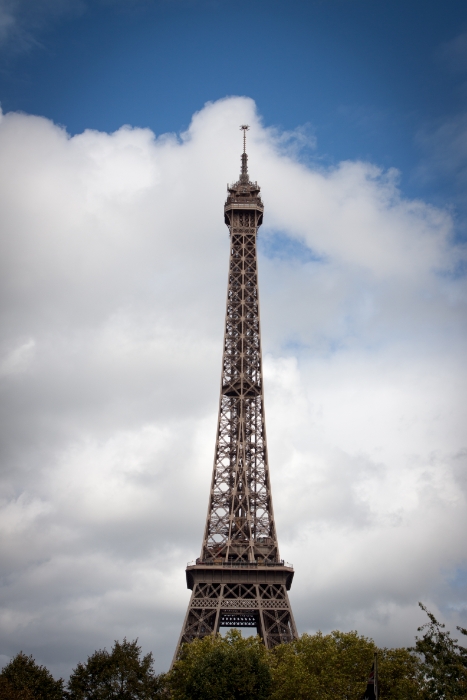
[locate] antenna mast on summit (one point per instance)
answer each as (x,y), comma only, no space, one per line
(244,128)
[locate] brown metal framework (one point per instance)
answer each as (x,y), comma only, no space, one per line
(239,580)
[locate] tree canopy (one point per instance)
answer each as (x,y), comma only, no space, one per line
(227,668)
(23,679)
(322,667)
(444,662)
(120,673)
(335,667)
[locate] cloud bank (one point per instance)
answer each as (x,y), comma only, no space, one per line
(113,279)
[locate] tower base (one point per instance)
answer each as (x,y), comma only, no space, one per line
(239,595)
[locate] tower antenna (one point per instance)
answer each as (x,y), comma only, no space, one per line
(244,170)
(244,128)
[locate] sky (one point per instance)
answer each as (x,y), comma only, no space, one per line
(119,131)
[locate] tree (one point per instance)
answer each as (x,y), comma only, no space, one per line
(336,666)
(444,662)
(222,668)
(400,675)
(121,673)
(23,679)
(324,667)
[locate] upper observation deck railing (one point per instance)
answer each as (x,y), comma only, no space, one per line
(245,204)
(236,564)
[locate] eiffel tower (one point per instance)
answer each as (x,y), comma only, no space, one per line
(240,580)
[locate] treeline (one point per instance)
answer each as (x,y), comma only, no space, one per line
(315,667)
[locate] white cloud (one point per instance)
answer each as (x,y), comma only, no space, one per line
(113,278)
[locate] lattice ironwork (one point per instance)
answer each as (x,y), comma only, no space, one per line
(264,606)
(239,579)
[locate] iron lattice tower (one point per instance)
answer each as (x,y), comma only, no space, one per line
(239,580)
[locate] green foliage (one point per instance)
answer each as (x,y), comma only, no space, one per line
(400,675)
(23,679)
(444,662)
(323,667)
(9,692)
(336,666)
(217,668)
(121,673)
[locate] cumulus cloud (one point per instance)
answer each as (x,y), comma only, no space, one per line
(113,278)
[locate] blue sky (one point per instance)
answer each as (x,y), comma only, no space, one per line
(368,79)
(120,128)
